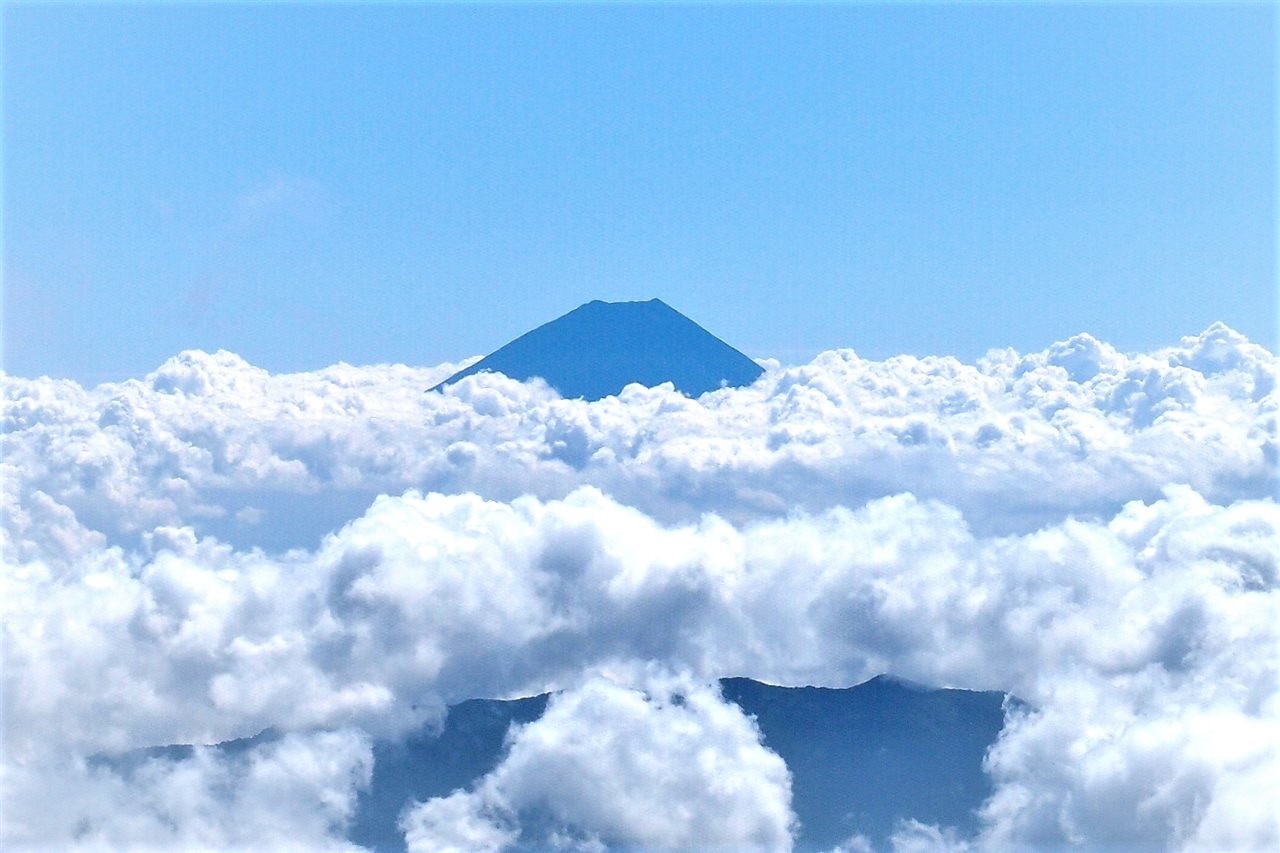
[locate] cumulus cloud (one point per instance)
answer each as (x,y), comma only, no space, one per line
(1160,623)
(1014,441)
(1008,525)
(296,793)
(666,764)
(912,836)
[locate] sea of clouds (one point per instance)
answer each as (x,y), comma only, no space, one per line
(214,550)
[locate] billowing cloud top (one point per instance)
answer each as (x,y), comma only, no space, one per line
(1013,441)
(213,550)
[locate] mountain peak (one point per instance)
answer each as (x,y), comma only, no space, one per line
(599,348)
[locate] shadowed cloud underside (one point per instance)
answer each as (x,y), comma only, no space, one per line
(599,348)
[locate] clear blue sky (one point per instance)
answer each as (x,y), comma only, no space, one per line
(305,184)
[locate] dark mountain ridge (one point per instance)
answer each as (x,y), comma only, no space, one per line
(599,348)
(861,758)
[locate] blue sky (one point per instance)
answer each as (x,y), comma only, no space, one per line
(304,184)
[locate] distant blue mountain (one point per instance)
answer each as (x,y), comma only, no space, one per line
(599,348)
(861,758)
(427,765)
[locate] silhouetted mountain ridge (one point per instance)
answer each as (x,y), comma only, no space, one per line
(864,757)
(599,348)
(861,758)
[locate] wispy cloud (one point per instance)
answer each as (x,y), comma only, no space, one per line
(279,196)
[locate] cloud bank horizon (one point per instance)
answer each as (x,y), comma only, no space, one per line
(212,550)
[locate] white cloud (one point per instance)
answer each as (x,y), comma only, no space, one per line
(1014,441)
(1007,525)
(463,822)
(296,793)
(666,764)
(1134,638)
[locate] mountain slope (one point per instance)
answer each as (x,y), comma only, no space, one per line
(429,765)
(861,758)
(599,348)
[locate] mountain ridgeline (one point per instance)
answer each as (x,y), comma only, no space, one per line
(861,758)
(599,348)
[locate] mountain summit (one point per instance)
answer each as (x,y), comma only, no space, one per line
(599,348)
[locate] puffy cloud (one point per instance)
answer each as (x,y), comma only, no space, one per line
(295,793)
(1099,766)
(1134,638)
(1006,525)
(1014,441)
(665,765)
(912,836)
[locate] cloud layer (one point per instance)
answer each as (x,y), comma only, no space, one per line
(1014,441)
(1092,531)
(294,794)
